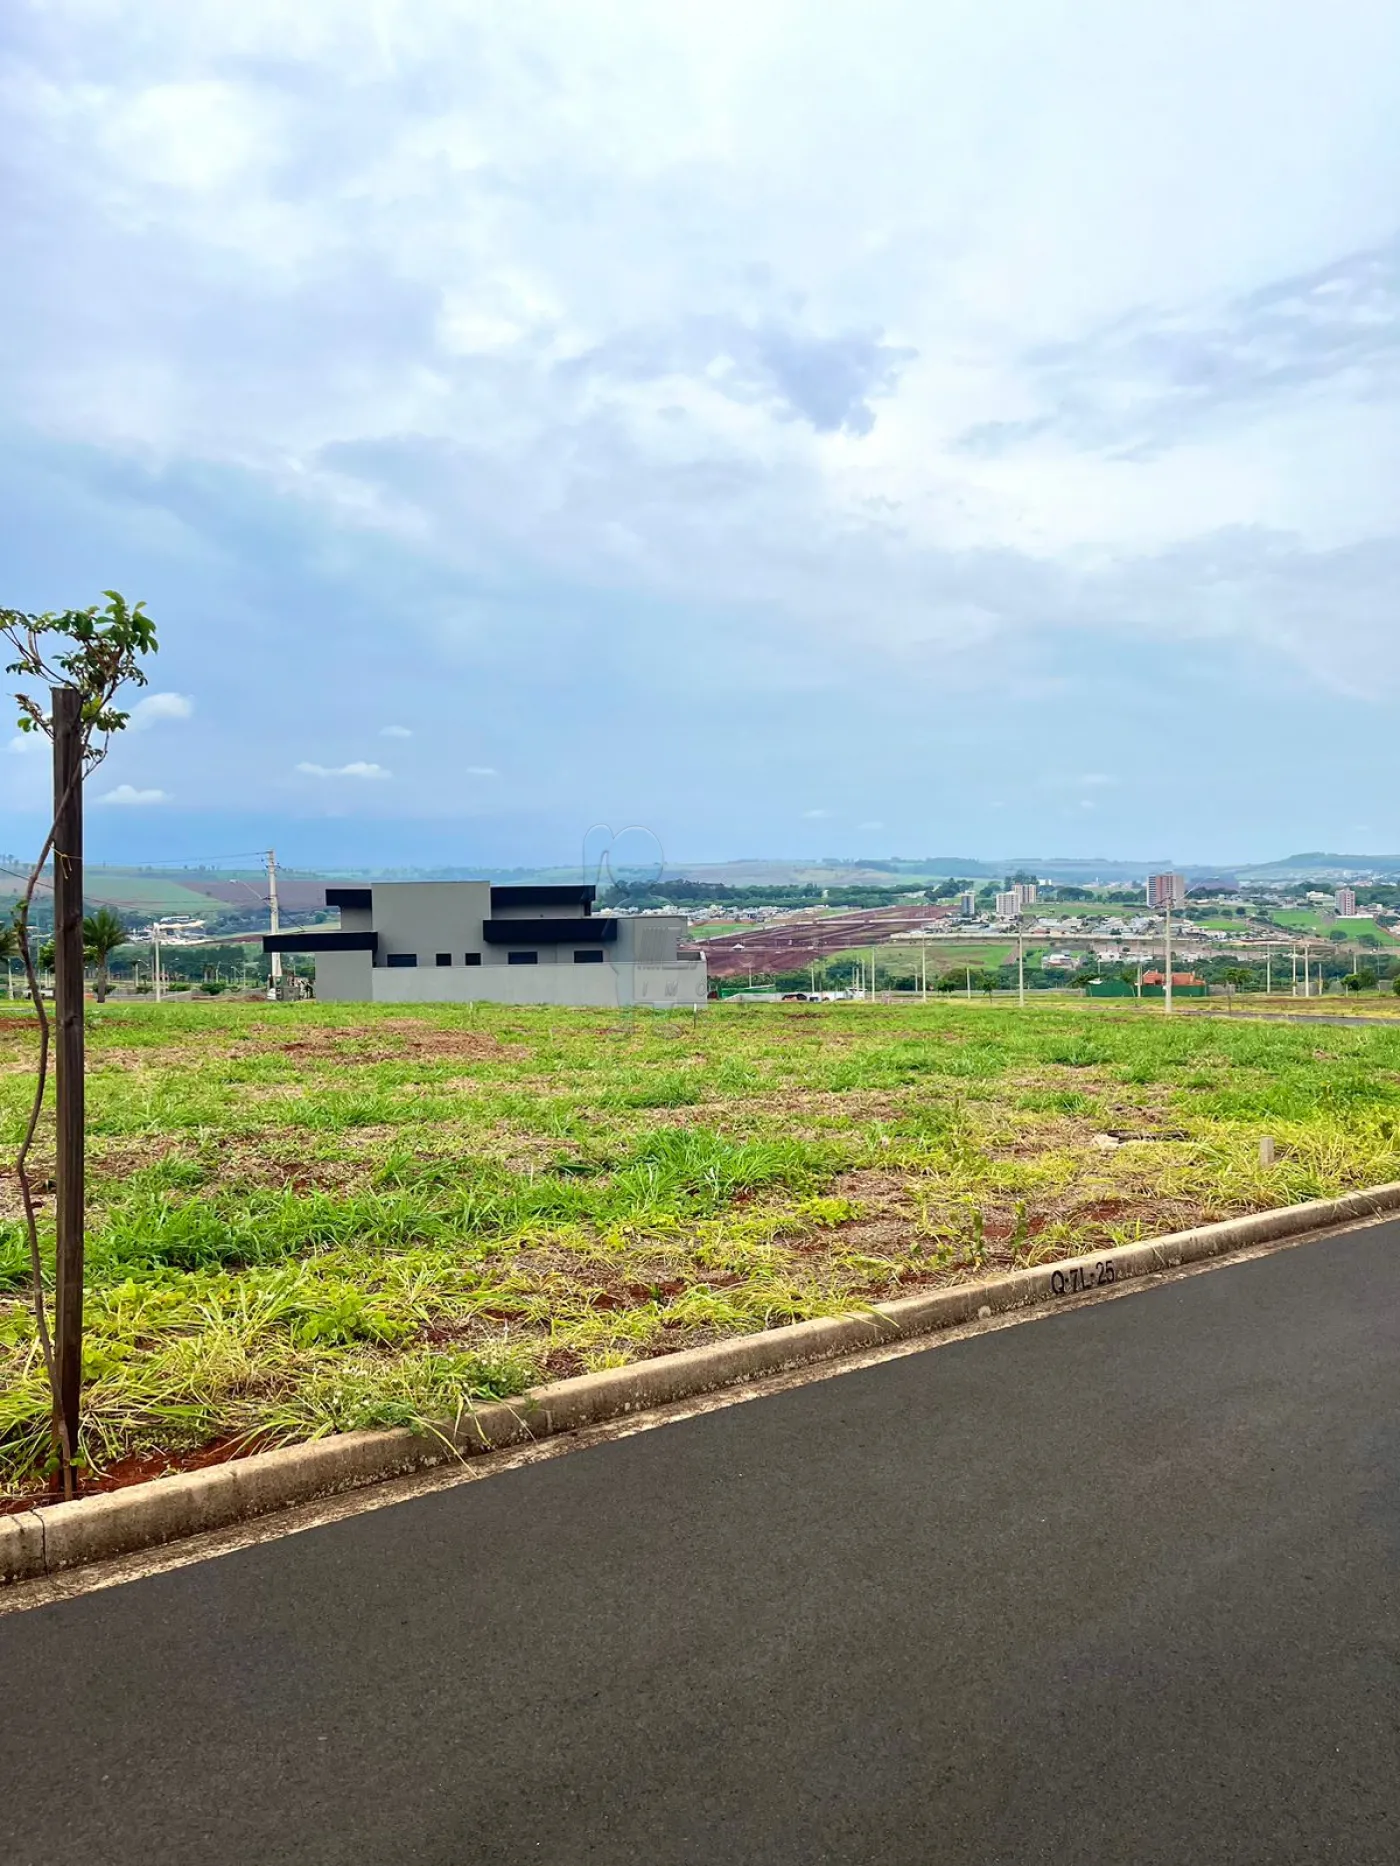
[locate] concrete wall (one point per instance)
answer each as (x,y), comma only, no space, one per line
(601,987)
(344,977)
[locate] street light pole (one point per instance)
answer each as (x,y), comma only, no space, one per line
(274,918)
(1167,980)
(1021,962)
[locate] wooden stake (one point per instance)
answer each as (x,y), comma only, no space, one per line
(68,1057)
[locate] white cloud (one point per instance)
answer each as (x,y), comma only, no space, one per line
(128,794)
(815,816)
(480,771)
(158,706)
(28,742)
(395,732)
(785,426)
(358,768)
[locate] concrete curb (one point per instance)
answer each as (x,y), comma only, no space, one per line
(66,1535)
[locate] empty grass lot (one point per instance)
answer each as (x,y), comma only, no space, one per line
(308,1218)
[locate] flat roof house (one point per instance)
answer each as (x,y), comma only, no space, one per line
(431,942)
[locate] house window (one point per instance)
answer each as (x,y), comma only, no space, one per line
(471,958)
(401,958)
(593,956)
(522,958)
(444,958)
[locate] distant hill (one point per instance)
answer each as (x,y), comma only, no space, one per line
(229,895)
(1320,865)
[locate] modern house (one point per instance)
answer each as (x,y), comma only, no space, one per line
(425,942)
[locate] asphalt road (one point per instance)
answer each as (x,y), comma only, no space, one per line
(1115,1586)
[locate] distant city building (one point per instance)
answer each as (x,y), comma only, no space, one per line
(1344,900)
(1166,890)
(1012,902)
(967,904)
(425,942)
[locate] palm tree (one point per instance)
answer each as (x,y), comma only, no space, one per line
(103,932)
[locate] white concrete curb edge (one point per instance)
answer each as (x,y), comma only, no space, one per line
(66,1535)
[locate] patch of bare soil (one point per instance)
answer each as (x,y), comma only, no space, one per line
(405,1040)
(849,1105)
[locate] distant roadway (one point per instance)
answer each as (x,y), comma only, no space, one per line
(1117,1586)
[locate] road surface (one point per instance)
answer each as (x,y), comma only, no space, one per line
(1115,1586)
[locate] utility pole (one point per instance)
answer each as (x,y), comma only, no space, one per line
(275,919)
(1021,962)
(923,972)
(969,982)
(1268,974)
(68,1017)
(1167,979)
(155,957)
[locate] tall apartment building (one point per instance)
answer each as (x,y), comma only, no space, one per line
(1166,890)
(1345,902)
(433,942)
(967,904)
(1013,901)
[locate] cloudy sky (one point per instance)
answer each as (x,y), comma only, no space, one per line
(888,426)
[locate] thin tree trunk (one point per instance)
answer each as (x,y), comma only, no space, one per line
(68,1015)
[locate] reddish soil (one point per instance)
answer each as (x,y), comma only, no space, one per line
(140,1468)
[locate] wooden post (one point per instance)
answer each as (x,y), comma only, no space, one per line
(68,1058)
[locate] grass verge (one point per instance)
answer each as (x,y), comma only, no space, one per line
(311,1218)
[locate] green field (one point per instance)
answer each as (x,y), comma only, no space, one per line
(1319,925)
(1355,928)
(1304,919)
(151,894)
(1084,910)
(944,955)
(307,1218)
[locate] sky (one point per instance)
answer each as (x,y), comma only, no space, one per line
(895,427)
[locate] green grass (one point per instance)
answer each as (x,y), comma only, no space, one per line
(142,894)
(1085,910)
(307,1218)
(1303,919)
(1354,928)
